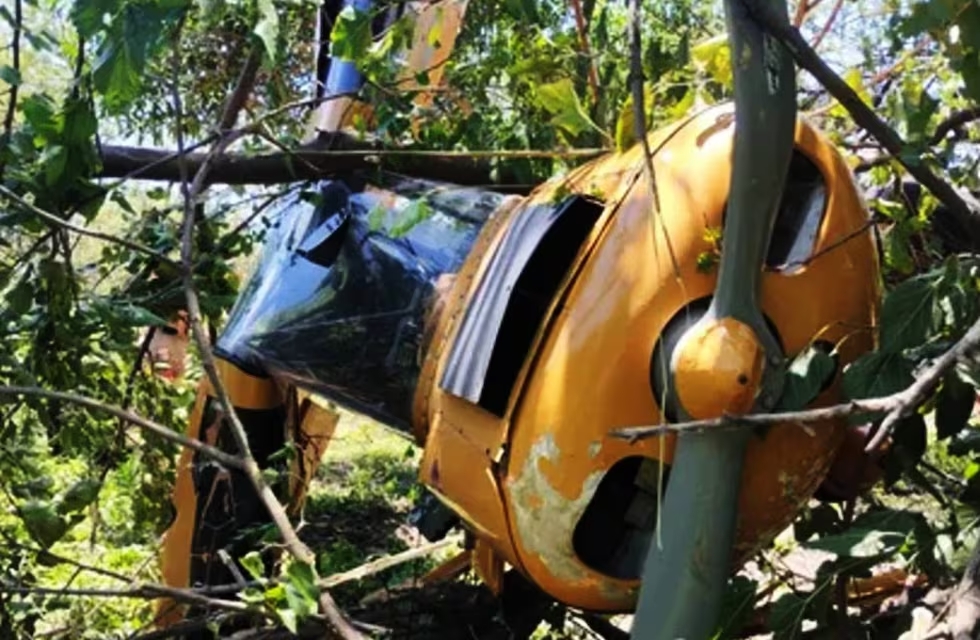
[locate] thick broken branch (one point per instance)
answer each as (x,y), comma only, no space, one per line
(956,121)
(325,158)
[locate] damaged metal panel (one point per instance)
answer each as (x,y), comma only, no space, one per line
(508,305)
(338,300)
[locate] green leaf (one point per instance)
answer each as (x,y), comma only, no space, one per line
(39,111)
(55,160)
(877,374)
(876,534)
(351,38)
(136,33)
(415,213)
(44,525)
(267,27)
(713,56)
(252,562)
(561,102)
(786,616)
(954,405)
(736,607)
(20,298)
(809,372)
(10,75)
(302,576)
(8,17)
(79,495)
(89,16)
(907,314)
(128,315)
(288,619)
(376,217)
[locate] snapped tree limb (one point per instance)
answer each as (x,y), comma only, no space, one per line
(328,156)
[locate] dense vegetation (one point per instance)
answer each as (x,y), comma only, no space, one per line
(87,263)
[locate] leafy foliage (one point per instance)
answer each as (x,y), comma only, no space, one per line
(92,72)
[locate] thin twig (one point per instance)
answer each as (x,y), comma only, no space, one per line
(133,418)
(640,122)
(803,8)
(139,592)
(8,119)
(583,40)
(50,218)
(919,391)
(827,25)
(179,629)
(385,563)
(836,244)
(803,417)
(50,555)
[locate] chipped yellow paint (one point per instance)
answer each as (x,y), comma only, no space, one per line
(594,449)
(545,520)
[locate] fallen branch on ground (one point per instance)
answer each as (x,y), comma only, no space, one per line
(382,564)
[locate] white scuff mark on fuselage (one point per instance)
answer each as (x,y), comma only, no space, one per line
(545,521)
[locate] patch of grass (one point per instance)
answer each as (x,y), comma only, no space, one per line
(359,503)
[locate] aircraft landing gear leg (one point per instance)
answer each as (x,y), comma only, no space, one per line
(219,518)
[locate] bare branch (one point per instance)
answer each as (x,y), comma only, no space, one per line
(8,119)
(586,50)
(916,395)
(50,218)
(808,416)
(191,192)
(179,629)
(803,9)
(382,564)
(640,122)
(956,120)
(140,592)
(827,25)
(46,555)
(133,418)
